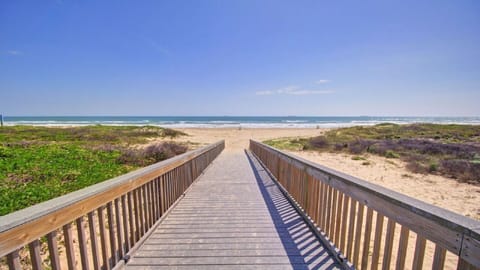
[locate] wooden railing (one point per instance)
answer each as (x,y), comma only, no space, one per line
(352,213)
(97,227)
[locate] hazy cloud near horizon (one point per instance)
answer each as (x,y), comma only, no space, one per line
(13,52)
(293,90)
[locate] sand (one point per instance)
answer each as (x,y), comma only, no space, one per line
(444,192)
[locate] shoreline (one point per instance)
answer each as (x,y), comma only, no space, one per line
(235,121)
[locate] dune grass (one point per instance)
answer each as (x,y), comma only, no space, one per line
(449,150)
(40,163)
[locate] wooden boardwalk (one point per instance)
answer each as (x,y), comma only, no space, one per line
(233,217)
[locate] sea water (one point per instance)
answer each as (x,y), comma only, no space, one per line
(231,121)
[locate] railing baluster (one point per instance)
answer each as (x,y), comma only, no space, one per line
(137,216)
(366,241)
(82,243)
(125,219)
(321,206)
(94,240)
(154,200)
(344,222)
(439,257)
(67,234)
(329,209)
(53,250)
(162,195)
(402,248)
(35,257)
(332,215)
(351,228)
(419,253)
(387,253)
(131,219)
(142,209)
(13,260)
(377,241)
(148,193)
(338,219)
(315,195)
(103,237)
(358,234)
(111,231)
(119,223)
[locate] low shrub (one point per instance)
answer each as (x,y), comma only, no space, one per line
(359,146)
(150,154)
(319,142)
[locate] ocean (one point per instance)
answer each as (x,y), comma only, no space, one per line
(231,121)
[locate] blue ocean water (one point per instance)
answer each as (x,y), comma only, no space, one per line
(230,121)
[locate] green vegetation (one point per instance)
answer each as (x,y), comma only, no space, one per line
(40,163)
(288,144)
(450,150)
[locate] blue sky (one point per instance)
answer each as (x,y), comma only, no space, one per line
(319,58)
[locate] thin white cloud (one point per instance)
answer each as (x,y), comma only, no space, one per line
(14,52)
(293,90)
(323,81)
(159,48)
(310,92)
(264,93)
(154,45)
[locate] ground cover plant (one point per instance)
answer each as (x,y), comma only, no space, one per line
(449,150)
(40,163)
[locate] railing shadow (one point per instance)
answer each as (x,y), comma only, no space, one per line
(303,248)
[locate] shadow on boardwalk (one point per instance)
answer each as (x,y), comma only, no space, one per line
(303,248)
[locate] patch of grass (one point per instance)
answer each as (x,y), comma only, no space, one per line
(40,163)
(289,144)
(85,134)
(366,163)
(449,150)
(391,154)
(358,158)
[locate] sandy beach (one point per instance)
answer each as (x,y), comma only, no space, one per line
(444,192)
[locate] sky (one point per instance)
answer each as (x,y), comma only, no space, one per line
(213,58)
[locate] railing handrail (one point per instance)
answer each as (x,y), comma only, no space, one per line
(127,182)
(463,226)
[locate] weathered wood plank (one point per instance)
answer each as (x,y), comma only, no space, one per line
(236,218)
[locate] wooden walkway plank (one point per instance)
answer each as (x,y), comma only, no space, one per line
(233,217)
